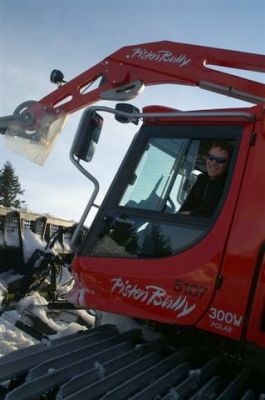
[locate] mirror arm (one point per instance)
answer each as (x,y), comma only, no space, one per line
(131,117)
(74,246)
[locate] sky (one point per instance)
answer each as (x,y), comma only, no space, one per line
(37,36)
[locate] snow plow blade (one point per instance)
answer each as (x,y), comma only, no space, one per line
(102,363)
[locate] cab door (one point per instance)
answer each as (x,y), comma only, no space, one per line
(143,257)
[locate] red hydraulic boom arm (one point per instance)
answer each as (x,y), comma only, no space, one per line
(123,74)
(157,63)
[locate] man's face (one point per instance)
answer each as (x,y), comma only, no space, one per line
(216,162)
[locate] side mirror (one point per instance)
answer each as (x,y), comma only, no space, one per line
(127,108)
(87,135)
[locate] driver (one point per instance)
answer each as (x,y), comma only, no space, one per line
(205,194)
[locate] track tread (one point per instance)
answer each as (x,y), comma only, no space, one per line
(103,364)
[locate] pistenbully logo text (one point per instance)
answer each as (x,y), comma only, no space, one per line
(165,56)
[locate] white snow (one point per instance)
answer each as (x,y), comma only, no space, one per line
(63,322)
(31,242)
(12,338)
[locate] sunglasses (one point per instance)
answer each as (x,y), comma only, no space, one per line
(219,160)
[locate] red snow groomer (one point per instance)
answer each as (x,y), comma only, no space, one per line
(178,243)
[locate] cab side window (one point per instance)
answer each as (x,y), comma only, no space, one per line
(175,180)
(163,176)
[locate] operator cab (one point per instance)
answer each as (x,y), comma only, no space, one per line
(142,213)
(143,256)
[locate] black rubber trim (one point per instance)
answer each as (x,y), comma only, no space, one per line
(252,292)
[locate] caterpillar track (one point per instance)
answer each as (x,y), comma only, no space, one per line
(103,364)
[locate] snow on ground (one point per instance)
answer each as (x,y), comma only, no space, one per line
(12,338)
(63,322)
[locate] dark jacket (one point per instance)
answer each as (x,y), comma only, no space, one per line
(204,196)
